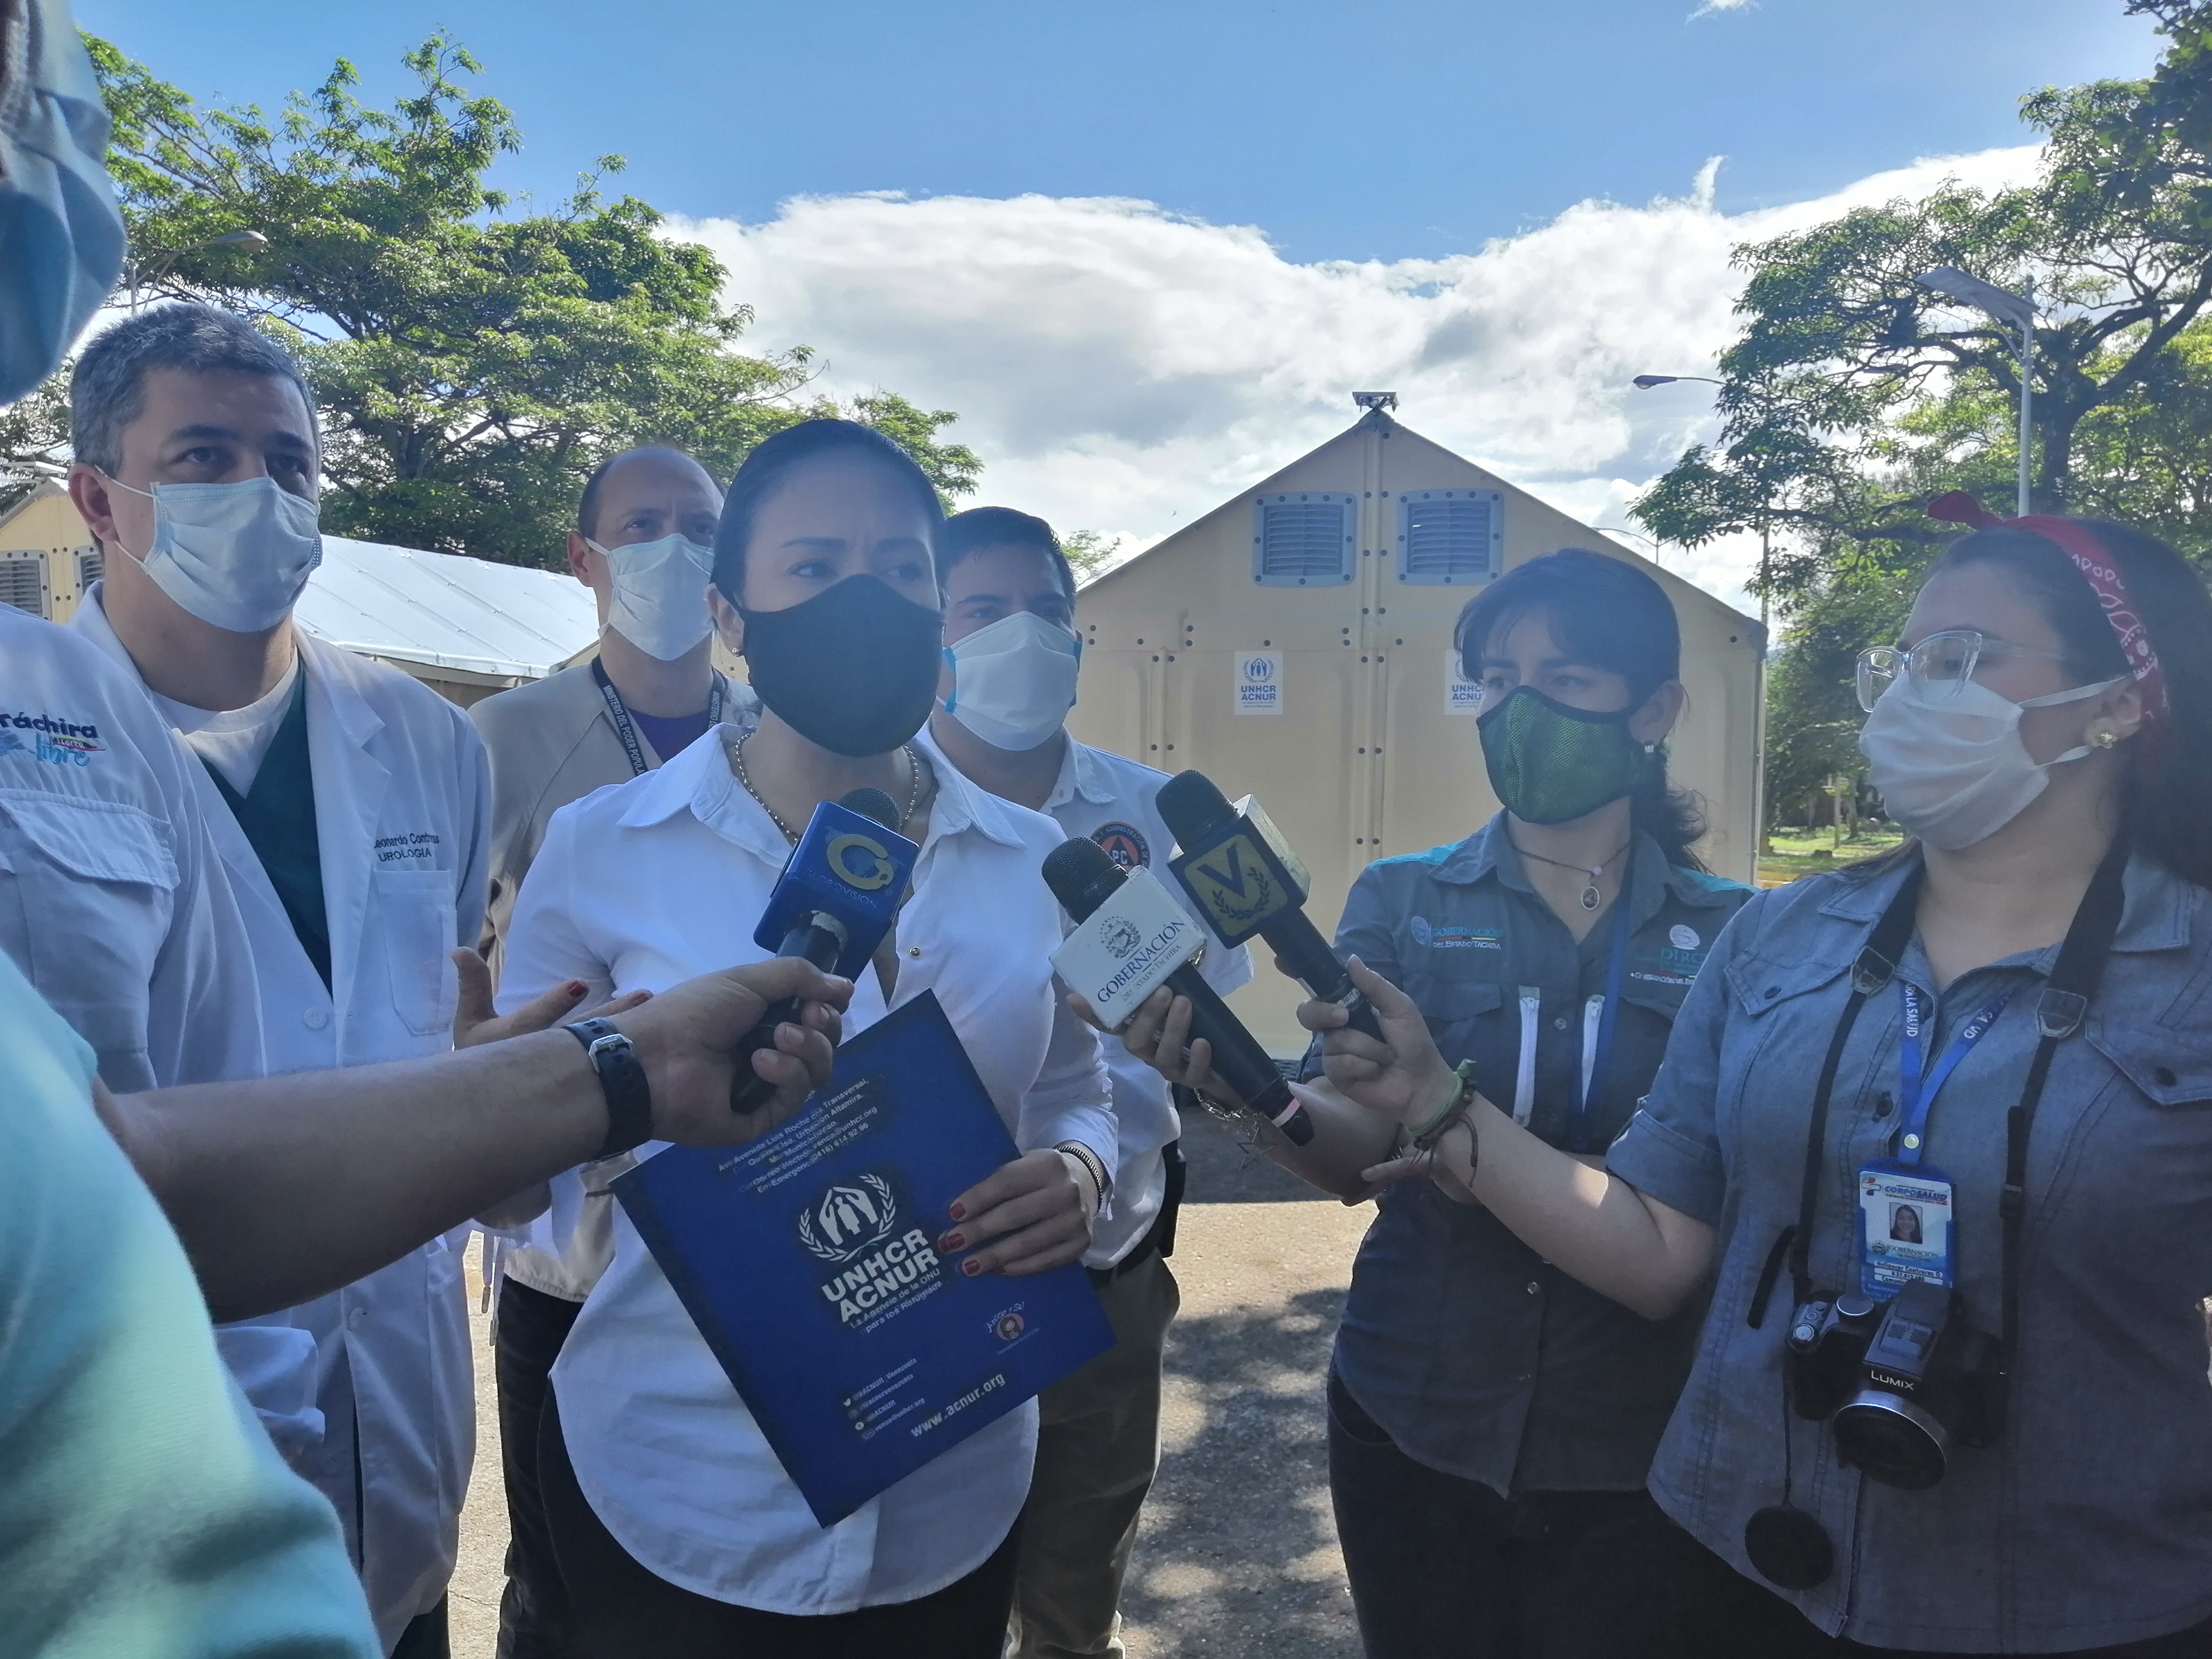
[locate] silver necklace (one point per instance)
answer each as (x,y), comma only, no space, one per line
(1590,897)
(737,765)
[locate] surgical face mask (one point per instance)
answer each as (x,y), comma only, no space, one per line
(1013,682)
(1949,759)
(852,669)
(1550,763)
(660,603)
(233,555)
(61,235)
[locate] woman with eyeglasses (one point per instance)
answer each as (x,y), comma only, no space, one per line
(678,1532)
(1986,1428)
(1491,1421)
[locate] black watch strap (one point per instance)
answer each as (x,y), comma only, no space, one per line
(621,1079)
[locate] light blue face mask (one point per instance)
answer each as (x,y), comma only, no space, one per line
(233,555)
(61,234)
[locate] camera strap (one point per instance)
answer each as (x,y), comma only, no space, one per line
(2059,1012)
(1872,969)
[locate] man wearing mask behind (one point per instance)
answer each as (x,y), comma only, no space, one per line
(645,526)
(349,805)
(1011,654)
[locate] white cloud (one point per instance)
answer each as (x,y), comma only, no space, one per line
(1124,369)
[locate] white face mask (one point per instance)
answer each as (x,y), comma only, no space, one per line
(660,603)
(1014,681)
(233,555)
(1949,762)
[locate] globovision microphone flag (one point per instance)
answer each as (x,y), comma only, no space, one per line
(1244,880)
(835,900)
(1131,938)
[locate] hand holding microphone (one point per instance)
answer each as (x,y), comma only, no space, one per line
(1244,880)
(837,897)
(1133,939)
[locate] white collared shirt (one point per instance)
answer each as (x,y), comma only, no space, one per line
(1109,799)
(656,880)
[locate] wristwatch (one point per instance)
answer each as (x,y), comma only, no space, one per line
(621,1079)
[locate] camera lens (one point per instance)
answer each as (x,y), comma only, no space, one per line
(1888,1439)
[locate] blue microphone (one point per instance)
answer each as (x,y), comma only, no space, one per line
(837,897)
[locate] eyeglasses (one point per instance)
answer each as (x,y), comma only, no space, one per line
(1941,663)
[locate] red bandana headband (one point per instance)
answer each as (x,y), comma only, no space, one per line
(2098,569)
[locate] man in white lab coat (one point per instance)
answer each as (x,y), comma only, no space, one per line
(349,805)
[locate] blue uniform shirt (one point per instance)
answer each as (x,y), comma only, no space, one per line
(2089,1523)
(1479,1357)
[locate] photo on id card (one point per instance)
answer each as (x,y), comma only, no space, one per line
(1905,1219)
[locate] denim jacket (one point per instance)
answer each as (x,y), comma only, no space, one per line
(2089,1523)
(1480,1359)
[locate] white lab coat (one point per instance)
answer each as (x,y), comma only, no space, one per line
(403,813)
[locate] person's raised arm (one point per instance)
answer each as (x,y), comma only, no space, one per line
(1619,1242)
(283,1188)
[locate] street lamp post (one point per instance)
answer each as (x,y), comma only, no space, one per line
(1645,383)
(142,273)
(2005,306)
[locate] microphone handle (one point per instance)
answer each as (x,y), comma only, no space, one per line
(808,937)
(1242,1064)
(1303,950)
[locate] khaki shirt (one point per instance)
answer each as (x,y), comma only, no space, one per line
(553,742)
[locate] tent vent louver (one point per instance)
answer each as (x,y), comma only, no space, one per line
(1302,539)
(23,583)
(91,565)
(1451,537)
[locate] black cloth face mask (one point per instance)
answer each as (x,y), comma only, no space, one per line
(852,669)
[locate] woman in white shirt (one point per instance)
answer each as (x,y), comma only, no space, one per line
(676,1529)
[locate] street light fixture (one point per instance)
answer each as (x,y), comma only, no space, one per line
(1645,382)
(2004,306)
(252,241)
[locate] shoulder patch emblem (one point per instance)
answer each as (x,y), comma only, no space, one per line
(1125,844)
(1419,928)
(1683,938)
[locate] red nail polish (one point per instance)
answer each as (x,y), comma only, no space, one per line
(575,987)
(950,1242)
(958,1212)
(971,1266)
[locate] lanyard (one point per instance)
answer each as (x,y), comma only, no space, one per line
(1919,1088)
(1597,1035)
(627,730)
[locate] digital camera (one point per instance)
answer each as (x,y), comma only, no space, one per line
(1904,1380)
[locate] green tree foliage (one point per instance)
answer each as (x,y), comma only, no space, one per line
(472,364)
(1090,551)
(1855,394)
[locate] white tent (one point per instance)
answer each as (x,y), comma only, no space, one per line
(468,627)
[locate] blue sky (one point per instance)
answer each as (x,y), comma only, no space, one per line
(1344,129)
(1147,250)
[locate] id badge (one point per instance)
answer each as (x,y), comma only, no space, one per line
(1904,1228)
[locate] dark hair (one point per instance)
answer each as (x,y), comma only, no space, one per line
(107,390)
(767,467)
(1606,613)
(587,504)
(2168,784)
(980,527)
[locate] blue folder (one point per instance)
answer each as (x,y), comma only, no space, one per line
(807,1258)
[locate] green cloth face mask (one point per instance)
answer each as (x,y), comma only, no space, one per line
(1550,763)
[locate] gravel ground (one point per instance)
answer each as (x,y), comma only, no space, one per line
(1238,1553)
